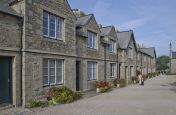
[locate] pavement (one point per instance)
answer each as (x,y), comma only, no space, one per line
(156,97)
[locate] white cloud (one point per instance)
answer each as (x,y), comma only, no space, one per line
(132,24)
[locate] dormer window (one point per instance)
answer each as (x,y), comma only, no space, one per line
(91,40)
(112,46)
(130,53)
(53,26)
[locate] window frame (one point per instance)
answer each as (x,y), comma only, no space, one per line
(93,71)
(114,70)
(113,44)
(55,72)
(93,40)
(57,18)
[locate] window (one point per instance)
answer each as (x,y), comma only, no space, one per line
(131,71)
(112,46)
(91,70)
(91,41)
(52,26)
(112,69)
(52,72)
(138,56)
(130,53)
(145,58)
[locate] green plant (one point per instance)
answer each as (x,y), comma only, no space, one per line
(62,95)
(78,95)
(112,85)
(34,103)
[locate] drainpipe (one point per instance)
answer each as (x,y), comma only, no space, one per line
(105,61)
(20,23)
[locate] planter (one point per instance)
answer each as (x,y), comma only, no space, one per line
(118,85)
(98,90)
(134,82)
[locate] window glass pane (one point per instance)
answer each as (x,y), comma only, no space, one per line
(59,75)
(59,28)
(45,23)
(52,63)
(52,79)
(45,71)
(45,80)
(52,26)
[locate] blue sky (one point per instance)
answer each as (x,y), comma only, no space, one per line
(153,21)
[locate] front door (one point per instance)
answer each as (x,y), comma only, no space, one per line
(5,79)
(77,75)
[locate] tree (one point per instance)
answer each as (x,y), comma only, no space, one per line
(162,63)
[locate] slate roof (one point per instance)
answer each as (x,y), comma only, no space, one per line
(5,8)
(149,51)
(81,21)
(173,55)
(124,38)
(105,30)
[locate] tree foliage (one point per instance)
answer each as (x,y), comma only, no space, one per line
(162,63)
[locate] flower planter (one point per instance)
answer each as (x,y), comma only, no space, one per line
(98,90)
(118,85)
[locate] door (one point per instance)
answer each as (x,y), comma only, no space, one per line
(5,79)
(77,75)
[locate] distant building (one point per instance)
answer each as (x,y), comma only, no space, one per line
(172,60)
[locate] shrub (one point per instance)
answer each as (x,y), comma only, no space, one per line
(77,95)
(62,95)
(112,85)
(34,103)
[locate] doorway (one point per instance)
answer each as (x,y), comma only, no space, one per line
(5,80)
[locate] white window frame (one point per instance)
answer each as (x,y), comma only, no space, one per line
(112,44)
(93,69)
(93,38)
(48,69)
(57,18)
(113,72)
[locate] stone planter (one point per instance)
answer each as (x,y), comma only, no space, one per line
(98,90)
(134,82)
(118,85)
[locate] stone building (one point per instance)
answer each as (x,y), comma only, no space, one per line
(146,59)
(110,40)
(43,43)
(46,46)
(127,55)
(10,54)
(172,60)
(96,57)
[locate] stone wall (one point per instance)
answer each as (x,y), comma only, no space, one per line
(10,43)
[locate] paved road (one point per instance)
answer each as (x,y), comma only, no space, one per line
(157,97)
